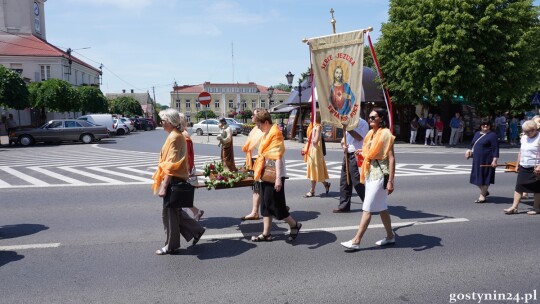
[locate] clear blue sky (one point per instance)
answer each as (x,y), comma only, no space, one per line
(150,43)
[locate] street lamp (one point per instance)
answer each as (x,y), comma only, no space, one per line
(299,88)
(270,94)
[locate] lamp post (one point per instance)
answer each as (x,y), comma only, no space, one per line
(290,77)
(270,94)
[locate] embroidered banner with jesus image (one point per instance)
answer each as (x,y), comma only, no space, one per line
(337,66)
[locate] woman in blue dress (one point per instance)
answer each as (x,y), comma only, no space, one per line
(484,150)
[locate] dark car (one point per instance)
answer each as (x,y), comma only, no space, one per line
(59,130)
(141,124)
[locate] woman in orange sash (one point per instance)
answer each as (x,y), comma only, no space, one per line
(272,194)
(313,156)
(377,174)
(173,168)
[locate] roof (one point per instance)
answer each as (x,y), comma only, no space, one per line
(198,88)
(31,46)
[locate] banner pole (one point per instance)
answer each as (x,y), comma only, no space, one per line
(346,156)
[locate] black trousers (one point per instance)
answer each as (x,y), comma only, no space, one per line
(346,190)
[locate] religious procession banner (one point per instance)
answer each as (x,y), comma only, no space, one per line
(337,63)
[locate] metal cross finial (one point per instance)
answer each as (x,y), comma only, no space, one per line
(333,21)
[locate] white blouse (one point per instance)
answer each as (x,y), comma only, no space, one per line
(530,153)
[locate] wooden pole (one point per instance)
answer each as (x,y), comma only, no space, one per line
(346,156)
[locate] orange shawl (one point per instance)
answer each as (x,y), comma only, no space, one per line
(376,146)
(254,139)
(173,159)
(271,147)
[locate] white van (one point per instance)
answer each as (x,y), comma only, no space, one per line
(102,120)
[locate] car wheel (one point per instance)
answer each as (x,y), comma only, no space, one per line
(26,140)
(199,132)
(87,138)
(120,132)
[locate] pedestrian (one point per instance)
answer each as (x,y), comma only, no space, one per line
(226,142)
(197,213)
(414,129)
(484,150)
(513,126)
(422,124)
(461,129)
(273,204)
(173,167)
(439,126)
(430,126)
(355,139)
(11,126)
(378,170)
(501,122)
(250,148)
(313,156)
(528,168)
(454,126)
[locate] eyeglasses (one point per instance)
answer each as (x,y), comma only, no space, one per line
(529,131)
(373,117)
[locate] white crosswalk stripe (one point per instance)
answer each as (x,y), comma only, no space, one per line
(72,166)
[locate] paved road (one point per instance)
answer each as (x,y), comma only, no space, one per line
(95,243)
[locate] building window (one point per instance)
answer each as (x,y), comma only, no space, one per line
(45,72)
(197,105)
(244,104)
(231,104)
(188,118)
(188,104)
(253,104)
(263,104)
(216,103)
(271,103)
(178,104)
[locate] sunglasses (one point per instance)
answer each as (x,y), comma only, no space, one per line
(373,117)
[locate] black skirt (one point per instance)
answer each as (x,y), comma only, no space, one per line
(272,202)
(527,181)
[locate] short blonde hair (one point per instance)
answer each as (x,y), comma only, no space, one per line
(529,125)
(172,116)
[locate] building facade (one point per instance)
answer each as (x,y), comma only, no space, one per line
(147,103)
(228,99)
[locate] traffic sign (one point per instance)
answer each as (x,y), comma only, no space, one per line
(535,101)
(205,98)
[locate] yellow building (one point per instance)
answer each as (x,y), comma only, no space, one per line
(228,99)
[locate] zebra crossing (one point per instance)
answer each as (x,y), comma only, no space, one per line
(66,166)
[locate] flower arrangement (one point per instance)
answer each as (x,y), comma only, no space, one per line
(219,178)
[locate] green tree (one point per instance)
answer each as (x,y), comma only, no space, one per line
(56,95)
(13,90)
(126,106)
(483,50)
(201,114)
(92,100)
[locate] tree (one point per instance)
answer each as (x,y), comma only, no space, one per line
(13,90)
(483,50)
(56,95)
(126,106)
(92,100)
(202,115)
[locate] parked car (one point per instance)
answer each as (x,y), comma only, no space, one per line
(236,126)
(208,126)
(101,120)
(121,128)
(59,130)
(151,123)
(142,124)
(129,123)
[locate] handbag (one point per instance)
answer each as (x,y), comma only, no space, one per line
(180,195)
(385,176)
(472,149)
(269,172)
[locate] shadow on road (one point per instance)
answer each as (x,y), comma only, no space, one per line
(403,213)
(9,256)
(14,231)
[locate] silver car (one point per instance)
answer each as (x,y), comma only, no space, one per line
(211,126)
(60,130)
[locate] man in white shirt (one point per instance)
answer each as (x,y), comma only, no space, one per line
(355,139)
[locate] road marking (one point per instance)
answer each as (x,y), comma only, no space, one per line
(343,228)
(31,246)
(58,176)
(130,176)
(94,176)
(24,177)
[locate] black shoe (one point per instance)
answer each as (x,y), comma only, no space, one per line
(197,238)
(337,210)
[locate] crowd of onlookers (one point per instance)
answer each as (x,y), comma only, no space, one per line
(430,128)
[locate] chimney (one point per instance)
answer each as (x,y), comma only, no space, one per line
(124,91)
(131,91)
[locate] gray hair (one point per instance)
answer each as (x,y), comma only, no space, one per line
(172,116)
(529,125)
(183,121)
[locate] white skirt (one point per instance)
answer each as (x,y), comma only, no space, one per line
(375,199)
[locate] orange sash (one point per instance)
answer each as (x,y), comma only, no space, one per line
(254,139)
(173,159)
(375,148)
(271,147)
